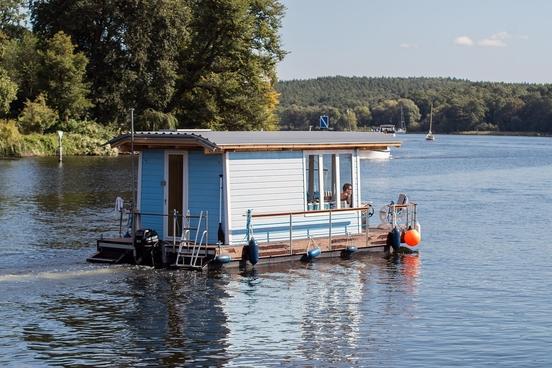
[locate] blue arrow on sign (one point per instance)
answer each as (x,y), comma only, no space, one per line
(324,122)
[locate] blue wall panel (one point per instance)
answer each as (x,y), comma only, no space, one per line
(152,192)
(203,188)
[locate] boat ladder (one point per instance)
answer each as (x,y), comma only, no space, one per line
(192,254)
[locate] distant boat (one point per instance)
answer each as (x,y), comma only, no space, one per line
(402,125)
(381,154)
(388,129)
(429,135)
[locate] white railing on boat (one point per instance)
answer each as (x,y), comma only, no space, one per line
(363,215)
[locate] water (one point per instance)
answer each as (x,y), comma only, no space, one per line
(477,295)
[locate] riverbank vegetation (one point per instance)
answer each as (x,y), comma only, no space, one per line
(179,64)
(79,66)
(458,105)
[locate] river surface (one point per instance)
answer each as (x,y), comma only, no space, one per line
(478,294)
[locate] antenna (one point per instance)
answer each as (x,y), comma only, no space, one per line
(132,157)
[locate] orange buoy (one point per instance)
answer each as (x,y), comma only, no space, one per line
(412,237)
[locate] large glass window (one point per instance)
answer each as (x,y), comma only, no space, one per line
(313,183)
(346,179)
(330,186)
(325,177)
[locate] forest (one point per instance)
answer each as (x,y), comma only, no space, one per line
(456,105)
(68,65)
(79,66)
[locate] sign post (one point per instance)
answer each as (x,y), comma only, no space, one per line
(60,135)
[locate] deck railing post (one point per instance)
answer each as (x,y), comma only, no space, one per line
(367,223)
(174,230)
(330,231)
(290,233)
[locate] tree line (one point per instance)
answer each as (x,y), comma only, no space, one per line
(212,64)
(456,105)
(179,63)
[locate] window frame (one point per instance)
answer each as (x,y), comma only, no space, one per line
(320,154)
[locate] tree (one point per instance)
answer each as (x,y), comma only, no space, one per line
(386,112)
(63,74)
(363,114)
(229,66)
(411,113)
(507,114)
(11,16)
(131,46)
(23,64)
(347,121)
(460,114)
(36,116)
(211,63)
(8,91)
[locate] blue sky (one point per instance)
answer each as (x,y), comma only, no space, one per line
(479,40)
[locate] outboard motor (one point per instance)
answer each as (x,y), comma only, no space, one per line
(144,243)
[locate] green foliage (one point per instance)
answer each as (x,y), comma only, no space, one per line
(36,116)
(155,120)
(131,46)
(459,105)
(229,65)
(64,77)
(347,121)
(11,16)
(210,63)
(363,114)
(88,138)
(23,64)
(8,91)
(10,139)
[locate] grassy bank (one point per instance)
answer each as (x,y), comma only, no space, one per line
(85,139)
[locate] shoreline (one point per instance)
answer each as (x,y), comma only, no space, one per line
(111,153)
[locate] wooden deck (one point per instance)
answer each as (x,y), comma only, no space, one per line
(120,250)
(376,239)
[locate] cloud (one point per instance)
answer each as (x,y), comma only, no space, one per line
(409,45)
(495,40)
(463,41)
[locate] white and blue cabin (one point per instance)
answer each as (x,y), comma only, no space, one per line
(290,180)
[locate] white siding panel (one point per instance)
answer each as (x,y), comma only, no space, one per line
(265,182)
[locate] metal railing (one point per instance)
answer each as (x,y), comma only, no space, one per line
(326,216)
(400,215)
(182,225)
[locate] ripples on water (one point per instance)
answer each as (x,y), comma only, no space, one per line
(477,295)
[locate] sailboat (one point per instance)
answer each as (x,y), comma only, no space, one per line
(429,136)
(402,126)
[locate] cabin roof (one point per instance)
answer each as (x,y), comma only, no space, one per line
(221,141)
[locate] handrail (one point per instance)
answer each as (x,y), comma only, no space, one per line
(312,212)
(163,214)
(360,211)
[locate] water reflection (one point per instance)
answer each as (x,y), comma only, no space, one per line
(322,312)
(150,317)
(329,312)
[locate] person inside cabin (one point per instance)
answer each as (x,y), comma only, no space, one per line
(347,196)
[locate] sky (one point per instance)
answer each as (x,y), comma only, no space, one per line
(478,40)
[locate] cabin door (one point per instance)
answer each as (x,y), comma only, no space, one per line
(176,192)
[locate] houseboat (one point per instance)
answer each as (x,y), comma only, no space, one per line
(388,129)
(222,199)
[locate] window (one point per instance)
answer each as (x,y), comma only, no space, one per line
(313,183)
(346,175)
(325,176)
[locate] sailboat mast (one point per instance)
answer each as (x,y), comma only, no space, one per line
(430,116)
